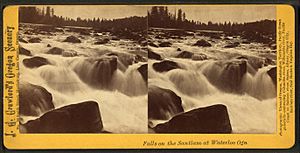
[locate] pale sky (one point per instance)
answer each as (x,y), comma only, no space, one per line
(98,11)
(202,13)
(217,13)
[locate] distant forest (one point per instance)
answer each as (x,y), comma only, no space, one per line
(47,16)
(158,16)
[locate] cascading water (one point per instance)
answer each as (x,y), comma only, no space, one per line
(121,91)
(117,87)
(130,82)
(204,83)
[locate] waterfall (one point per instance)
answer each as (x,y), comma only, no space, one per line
(259,85)
(190,82)
(130,82)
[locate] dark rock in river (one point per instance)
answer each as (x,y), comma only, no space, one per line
(226,38)
(34,40)
(143,43)
(56,50)
(227,75)
(125,59)
(165,44)
(152,44)
(163,103)
(143,69)
(115,38)
(199,57)
(101,42)
(85,33)
(139,58)
(255,62)
(76,118)
(22,40)
(97,72)
(178,49)
(24,51)
(153,55)
(165,66)
(72,39)
(232,75)
(211,119)
(273,46)
(245,42)
(48,45)
(69,53)
(202,43)
(185,54)
(268,61)
(273,73)
(215,36)
(232,45)
(34,100)
(35,62)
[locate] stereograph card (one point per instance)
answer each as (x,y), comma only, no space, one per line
(149,76)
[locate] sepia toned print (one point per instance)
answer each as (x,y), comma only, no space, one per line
(82,69)
(212,69)
(147,69)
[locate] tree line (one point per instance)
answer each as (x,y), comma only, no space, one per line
(158,16)
(36,15)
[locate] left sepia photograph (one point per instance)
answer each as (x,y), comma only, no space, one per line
(83,69)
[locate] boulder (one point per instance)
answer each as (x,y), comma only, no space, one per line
(153,55)
(35,62)
(215,36)
(75,118)
(85,33)
(163,103)
(165,66)
(202,43)
(211,119)
(245,42)
(124,58)
(255,62)
(185,54)
(268,61)
(199,57)
(101,42)
(273,73)
(48,45)
(72,39)
(34,100)
(143,43)
(152,44)
(273,46)
(69,53)
(165,44)
(232,45)
(139,58)
(56,51)
(24,51)
(227,75)
(97,72)
(232,75)
(34,40)
(115,38)
(22,40)
(143,69)
(178,49)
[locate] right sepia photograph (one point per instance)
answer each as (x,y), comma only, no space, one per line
(212,69)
